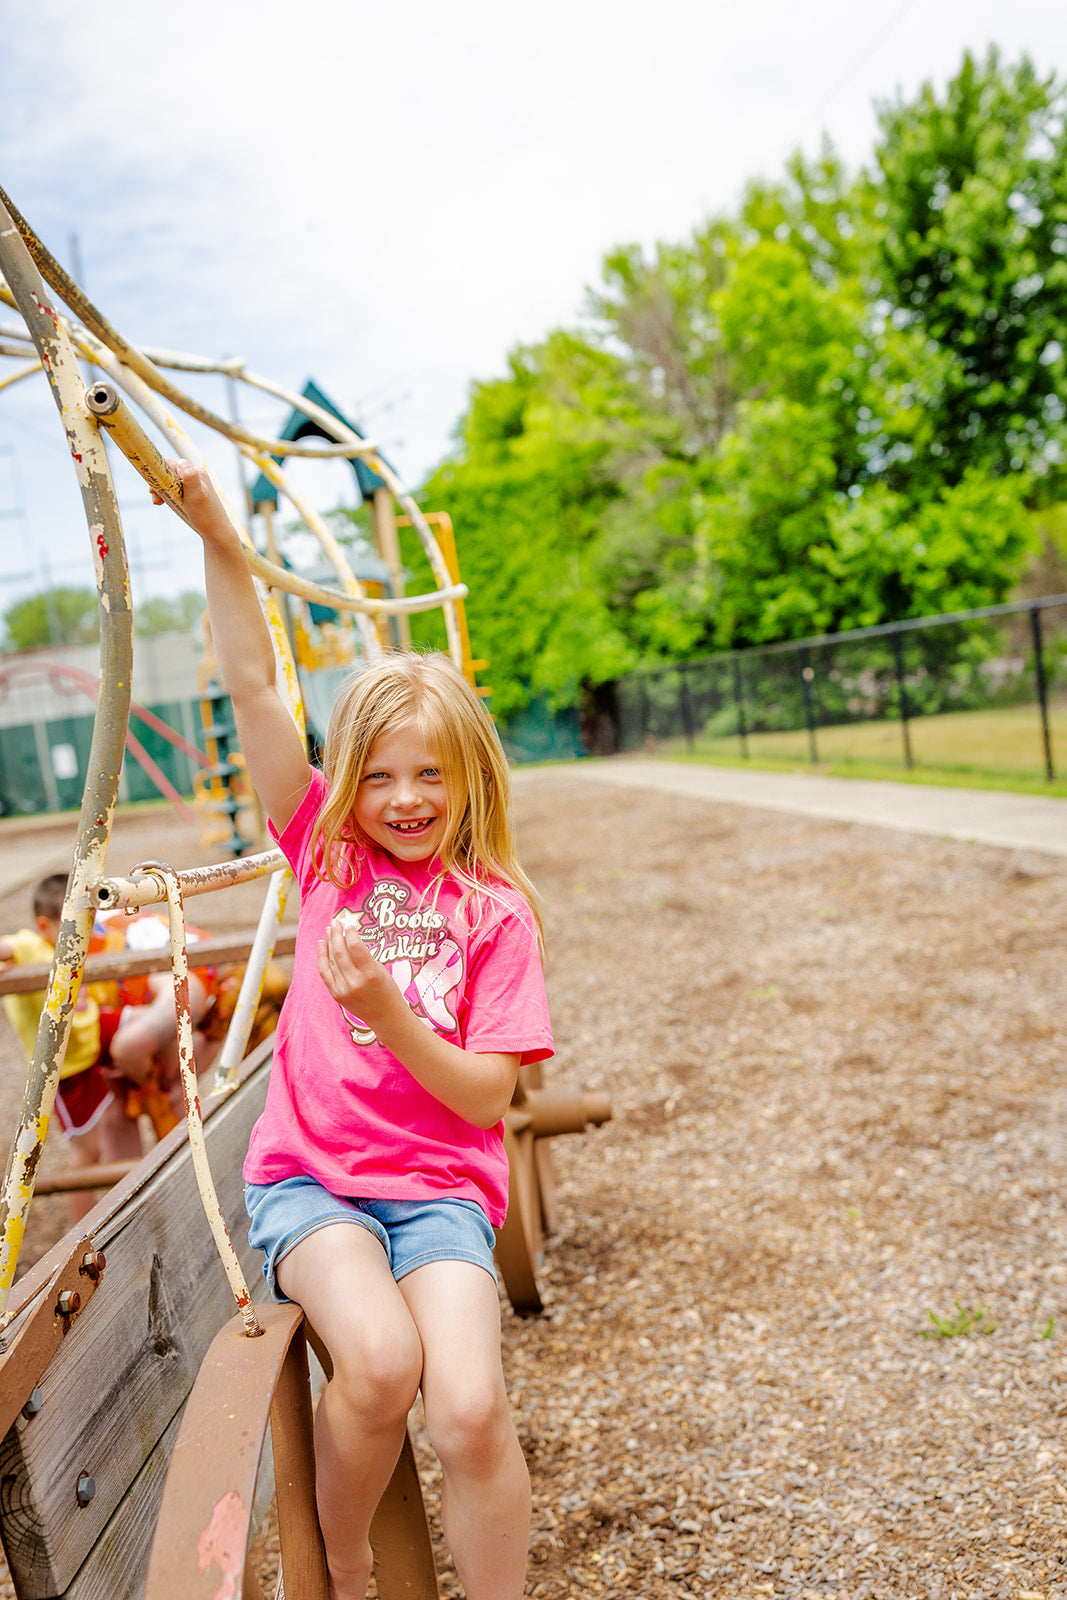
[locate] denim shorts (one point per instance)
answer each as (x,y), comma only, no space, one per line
(411,1232)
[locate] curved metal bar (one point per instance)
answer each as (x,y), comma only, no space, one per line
(17,377)
(183,361)
(434,555)
(15,341)
(113,415)
(205,1519)
(138,362)
(109,732)
(349,583)
(183,445)
(193,1116)
(320,595)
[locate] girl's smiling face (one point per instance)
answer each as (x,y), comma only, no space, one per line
(401,804)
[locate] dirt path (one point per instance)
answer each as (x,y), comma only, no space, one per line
(836,1056)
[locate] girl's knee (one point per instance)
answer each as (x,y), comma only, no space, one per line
(471,1427)
(378,1372)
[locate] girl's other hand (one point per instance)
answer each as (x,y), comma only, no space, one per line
(354,978)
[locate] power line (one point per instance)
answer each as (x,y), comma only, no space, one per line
(864,56)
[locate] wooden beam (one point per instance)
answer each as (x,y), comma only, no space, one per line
(120,964)
(111,1393)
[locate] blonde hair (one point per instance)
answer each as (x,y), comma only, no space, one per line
(407,688)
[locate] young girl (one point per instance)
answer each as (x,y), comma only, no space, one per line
(377,1174)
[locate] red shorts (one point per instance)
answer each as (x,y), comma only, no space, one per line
(82,1099)
(110,1017)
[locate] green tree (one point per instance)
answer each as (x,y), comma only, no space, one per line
(55,616)
(970,191)
(525,495)
(180,615)
(812,415)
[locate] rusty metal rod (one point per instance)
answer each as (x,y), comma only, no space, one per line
(58,358)
(107,406)
(129,894)
(193,1116)
(184,446)
(63,284)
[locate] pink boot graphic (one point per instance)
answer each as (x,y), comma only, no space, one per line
(436,978)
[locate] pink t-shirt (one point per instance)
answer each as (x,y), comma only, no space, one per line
(340,1107)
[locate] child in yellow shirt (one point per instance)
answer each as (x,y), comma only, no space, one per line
(92,1118)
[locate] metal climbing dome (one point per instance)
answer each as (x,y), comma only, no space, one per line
(150,1479)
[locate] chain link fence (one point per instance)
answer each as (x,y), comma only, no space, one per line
(904,692)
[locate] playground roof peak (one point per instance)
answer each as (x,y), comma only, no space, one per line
(300,426)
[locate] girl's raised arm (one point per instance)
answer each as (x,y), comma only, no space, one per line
(270,741)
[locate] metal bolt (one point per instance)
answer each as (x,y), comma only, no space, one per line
(33,1404)
(69,1302)
(93,1264)
(86,1488)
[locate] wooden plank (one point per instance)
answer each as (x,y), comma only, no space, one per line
(123,1372)
(116,1567)
(27,978)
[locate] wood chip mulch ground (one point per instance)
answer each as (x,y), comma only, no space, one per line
(806,1308)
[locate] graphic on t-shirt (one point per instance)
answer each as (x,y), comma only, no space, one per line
(426,964)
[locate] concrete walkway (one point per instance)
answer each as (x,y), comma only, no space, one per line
(985,816)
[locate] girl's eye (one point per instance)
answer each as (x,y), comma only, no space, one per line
(431,772)
(371,777)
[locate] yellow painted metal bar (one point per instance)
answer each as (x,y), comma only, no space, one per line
(446,539)
(106,405)
(109,730)
(183,446)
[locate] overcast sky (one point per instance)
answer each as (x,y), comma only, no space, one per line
(388,197)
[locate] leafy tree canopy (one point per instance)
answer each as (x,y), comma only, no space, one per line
(826,410)
(181,615)
(971,201)
(55,616)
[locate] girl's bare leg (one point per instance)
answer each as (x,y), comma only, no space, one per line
(485,1495)
(340,1276)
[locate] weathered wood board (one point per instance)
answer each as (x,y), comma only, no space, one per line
(111,1397)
